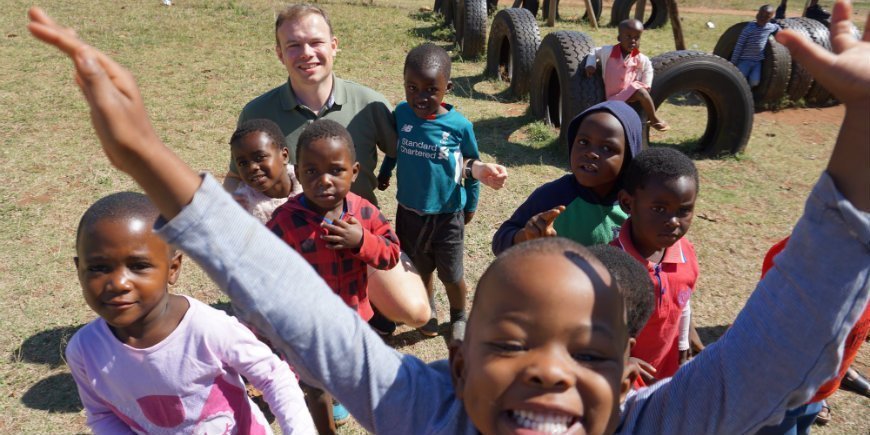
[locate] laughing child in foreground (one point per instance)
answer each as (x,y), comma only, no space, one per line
(627,73)
(565,373)
(134,365)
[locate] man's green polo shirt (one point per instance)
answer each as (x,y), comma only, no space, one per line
(365,113)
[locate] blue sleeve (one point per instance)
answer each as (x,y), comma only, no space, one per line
(785,343)
(278,292)
(553,194)
(741,41)
(471,186)
(387,166)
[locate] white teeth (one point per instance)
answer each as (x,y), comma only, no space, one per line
(542,422)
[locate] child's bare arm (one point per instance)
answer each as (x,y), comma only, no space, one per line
(120,120)
(846,73)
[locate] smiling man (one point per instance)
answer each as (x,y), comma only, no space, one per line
(306,47)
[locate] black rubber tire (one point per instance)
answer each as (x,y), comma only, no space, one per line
(596,6)
(623,9)
(800,81)
(555,92)
(817,95)
(775,70)
(469,20)
(510,52)
(721,86)
(532,6)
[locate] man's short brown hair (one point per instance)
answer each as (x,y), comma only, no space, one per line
(297,11)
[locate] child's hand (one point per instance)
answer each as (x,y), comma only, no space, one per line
(344,234)
(846,71)
(540,225)
(590,71)
(469,215)
(644,369)
(490,174)
(685,356)
(383,181)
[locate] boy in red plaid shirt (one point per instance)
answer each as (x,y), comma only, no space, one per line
(336,231)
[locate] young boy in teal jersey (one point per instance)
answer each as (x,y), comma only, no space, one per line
(435,203)
(581,206)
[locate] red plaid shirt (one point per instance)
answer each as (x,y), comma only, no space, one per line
(344,271)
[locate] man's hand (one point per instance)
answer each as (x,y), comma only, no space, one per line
(469,215)
(590,71)
(344,234)
(540,225)
(383,181)
(490,174)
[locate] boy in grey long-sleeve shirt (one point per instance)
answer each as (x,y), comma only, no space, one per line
(518,369)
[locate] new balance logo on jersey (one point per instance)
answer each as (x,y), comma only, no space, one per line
(407,128)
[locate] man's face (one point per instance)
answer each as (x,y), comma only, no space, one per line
(307,49)
(549,358)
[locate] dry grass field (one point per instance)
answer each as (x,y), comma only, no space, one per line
(199,61)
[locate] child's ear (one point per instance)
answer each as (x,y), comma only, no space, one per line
(449,85)
(457,368)
(285,154)
(355,170)
(629,376)
(625,201)
(174,267)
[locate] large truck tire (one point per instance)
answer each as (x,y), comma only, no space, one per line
(469,20)
(510,52)
(657,13)
(596,7)
(800,81)
(817,95)
(555,92)
(775,70)
(723,90)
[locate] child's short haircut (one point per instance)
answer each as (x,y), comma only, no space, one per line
(767,8)
(264,125)
(118,206)
(630,23)
(633,282)
(322,129)
(659,163)
(426,56)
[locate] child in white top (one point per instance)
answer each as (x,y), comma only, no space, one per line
(161,363)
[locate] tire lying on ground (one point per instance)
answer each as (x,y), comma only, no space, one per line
(723,90)
(469,20)
(775,70)
(623,9)
(596,6)
(817,95)
(510,52)
(555,91)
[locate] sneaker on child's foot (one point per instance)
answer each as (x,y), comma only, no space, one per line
(457,330)
(430,329)
(339,414)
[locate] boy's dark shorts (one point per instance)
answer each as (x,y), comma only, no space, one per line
(433,241)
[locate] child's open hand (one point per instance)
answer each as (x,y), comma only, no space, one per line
(540,225)
(646,371)
(490,174)
(383,181)
(846,71)
(469,215)
(343,234)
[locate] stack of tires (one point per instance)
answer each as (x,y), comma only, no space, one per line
(624,9)
(783,79)
(559,89)
(468,18)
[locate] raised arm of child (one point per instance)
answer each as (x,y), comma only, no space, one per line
(788,339)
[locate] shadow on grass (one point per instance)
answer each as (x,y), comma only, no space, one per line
(223,306)
(433,28)
(56,393)
(407,338)
(46,347)
(465,87)
(493,137)
(709,334)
